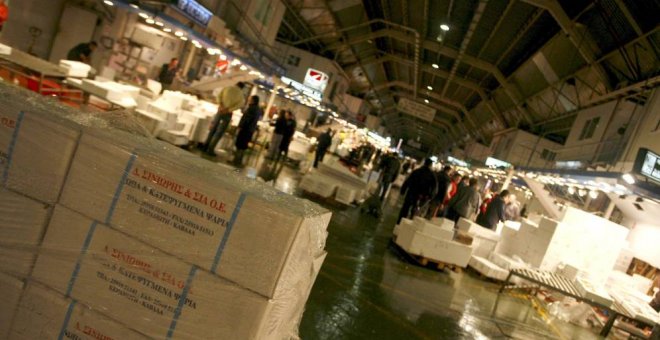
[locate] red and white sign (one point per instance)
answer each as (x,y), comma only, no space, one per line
(222,66)
(316,79)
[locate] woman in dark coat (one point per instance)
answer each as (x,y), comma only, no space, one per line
(288,133)
(246,128)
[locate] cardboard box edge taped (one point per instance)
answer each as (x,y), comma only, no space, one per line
(55,268)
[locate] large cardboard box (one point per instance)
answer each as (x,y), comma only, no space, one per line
(11,288)
(204,215)
(45,314)
(152,292)
(22,222)
(35,150)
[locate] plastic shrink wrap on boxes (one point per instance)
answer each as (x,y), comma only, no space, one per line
(167,239)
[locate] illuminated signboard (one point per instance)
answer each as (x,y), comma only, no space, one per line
(496,163)
(458,162)
(316,79)
(195,11)
(647,164)
(306,90)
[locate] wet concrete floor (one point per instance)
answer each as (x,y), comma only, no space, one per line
(365,290)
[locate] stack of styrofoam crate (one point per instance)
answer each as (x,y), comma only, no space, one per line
(146,238)
(487,268)
(435,242)
(582,239)
(484,240)
(624,259)
(591,291)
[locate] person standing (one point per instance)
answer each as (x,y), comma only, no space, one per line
(495,211)
(168,73)
(82,52)
(512,209)
(436,206)
(289,131)
(278,134)
(231,98)
(389,167)
(246,128)
(325,139)
(466,202)
(417,188)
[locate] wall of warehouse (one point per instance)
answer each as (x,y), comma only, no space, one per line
(524,149)
(41,15)
(648,133)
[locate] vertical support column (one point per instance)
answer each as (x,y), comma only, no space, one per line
(509,177)
(271,101)
(609,210)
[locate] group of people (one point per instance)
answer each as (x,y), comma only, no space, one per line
(453,196)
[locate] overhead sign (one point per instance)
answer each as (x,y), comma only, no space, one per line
(458,162)
(316,79)
(647,164)
(416,109)
(306,90)
(195,11)
(496,163)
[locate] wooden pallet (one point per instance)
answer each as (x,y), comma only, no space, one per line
(426,262)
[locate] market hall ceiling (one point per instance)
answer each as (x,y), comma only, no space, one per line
(500,64)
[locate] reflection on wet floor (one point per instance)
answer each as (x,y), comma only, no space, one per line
(365,291)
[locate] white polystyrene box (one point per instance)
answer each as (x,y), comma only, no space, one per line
(345,195)
(22,222)
(443,223)
(200,216)
(140,286)
(35,152)
(417,243)
(46,314)
(11,288)
(464,224)
(487,268)
(592,292)
(405,223)
(424,226)
(505,262)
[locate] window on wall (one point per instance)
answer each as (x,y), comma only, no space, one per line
(293,60)
(548,155)
(264,11)
(589,128)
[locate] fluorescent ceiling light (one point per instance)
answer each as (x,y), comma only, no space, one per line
(184,38)
(571,190)
(135,6)
(430,88)
(628,178)
(108,2)
(179,34)
(426,101)
(593,194)
(158,23)
(444,27)
(167,29)
(150,21)
(435,66)
(144,15)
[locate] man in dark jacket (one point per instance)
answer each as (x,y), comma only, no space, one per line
(389,167)
(466,202)
(246,128)
(168,72)
(325,139)
(82,52)
(435,208)
(418,187)
(289,132)
(278,134)
(495,211)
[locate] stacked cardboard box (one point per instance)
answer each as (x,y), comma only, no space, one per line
(11,288)
(151,237)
